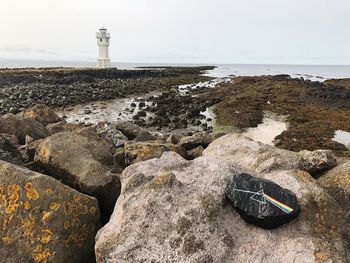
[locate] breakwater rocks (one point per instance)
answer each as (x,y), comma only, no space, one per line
(60,87)
(115,192)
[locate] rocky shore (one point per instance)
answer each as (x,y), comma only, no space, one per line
(62,87)
(167,185)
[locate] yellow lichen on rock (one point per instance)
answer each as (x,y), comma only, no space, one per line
(40,254)
(45,236)
(76,198)
(31,192)
(26,205)
(29,227)
(13,197)
(54,205)
(44,216)
(66,225)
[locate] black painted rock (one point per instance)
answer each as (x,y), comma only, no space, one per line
(261,202)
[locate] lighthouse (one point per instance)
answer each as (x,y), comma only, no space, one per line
(103,37)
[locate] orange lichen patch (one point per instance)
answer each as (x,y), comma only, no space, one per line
(26,205)
(4,223)
(45,236)
(40,255)
(44,216)
(13,196)
(31,192)
(48,190)
(66,225)
(3,200)
(6,239)
(92,210)
(76,198)
(53,205)
(29,227)
(75,208)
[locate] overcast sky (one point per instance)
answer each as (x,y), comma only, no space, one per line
(179,31)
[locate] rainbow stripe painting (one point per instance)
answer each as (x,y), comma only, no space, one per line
(280,205)
(263,198)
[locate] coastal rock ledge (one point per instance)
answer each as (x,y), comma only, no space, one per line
(174,210)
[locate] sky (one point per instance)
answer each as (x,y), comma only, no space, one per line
(179,31)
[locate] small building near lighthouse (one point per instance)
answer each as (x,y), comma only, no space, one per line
(103,38)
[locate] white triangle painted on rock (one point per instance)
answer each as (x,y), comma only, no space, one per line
(259,197)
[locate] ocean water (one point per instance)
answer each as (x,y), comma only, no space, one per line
(312,72)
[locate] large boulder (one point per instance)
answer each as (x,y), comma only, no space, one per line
(262,202)
(82,162)
(256,156)
(41,113)
(20,126)
(337,184)
(43,220)
(260,157)
(173,210)
(141,151)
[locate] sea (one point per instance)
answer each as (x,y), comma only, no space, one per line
(312,72)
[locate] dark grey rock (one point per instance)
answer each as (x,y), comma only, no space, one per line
(261,202)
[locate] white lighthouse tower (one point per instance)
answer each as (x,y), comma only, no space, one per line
(103,37)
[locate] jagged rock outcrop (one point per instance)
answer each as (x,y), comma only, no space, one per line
(43,220)
(173,210)
(81,161)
